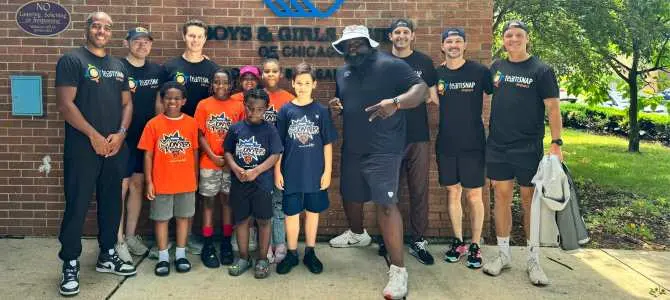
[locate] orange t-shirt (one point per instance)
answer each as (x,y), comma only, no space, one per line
(238,97)
(214,118)
(174,143)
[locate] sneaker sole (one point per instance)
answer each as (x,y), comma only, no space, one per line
(451,260)
(104,270)
(68,294)
(357,245)
(389,297)
(473,266)
(415,254)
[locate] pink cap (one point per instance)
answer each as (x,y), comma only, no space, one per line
(250,69)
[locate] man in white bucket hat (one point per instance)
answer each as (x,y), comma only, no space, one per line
(373,89)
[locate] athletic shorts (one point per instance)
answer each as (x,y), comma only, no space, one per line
(166,206)
(135,162)
(248,199)
(366,177)
(520,162)
(213,182)
(295,203)
(464,168)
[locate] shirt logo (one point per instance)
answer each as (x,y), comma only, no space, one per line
(303,130)
(181,78)
(270,114)
(248,150)
(419,73)
(218,124)
(174,144)
(441,87)
(93,73)
(519,81)
(132,84)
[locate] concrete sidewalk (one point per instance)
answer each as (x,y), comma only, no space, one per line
(30,269)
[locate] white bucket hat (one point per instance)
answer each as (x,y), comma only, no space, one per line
(352,32)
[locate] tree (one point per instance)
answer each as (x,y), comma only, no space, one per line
(586,40)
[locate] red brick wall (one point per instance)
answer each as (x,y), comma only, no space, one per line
(32,203)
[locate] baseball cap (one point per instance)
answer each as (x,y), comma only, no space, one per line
(253,70)
(453,31)
(515,24)
(138,32)
(402,23)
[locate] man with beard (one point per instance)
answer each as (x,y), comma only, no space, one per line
(92,96)
(374,89)
(415,163)
(462,86)
(524,87)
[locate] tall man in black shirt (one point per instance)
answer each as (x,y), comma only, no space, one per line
(524,87)
(92,96)
(416,162)
(374,89)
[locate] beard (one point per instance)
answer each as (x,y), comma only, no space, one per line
(358,59)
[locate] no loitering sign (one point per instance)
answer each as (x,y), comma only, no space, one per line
(43,18)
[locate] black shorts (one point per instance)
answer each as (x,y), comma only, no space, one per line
(295,203)
(520,162)
(135,161)
(366,177)
(464,168)
(248,199)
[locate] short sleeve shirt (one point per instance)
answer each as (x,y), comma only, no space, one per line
(461,96)
(144,83)
(277,100)
(99,82)
(417,118)
(195,76)
(174,143)
(304,131)
(214,118)
(250,145)
(380,77)
(517,107)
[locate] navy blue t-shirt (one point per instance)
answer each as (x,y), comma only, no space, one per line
(251,145)
(380,77)
(304,130)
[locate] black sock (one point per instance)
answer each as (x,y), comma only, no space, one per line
(208,240)
(309,250)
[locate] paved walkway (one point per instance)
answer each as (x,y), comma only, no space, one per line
(29,269)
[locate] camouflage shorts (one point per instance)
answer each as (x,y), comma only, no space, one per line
(213,182)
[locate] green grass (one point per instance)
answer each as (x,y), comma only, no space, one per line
(605,161)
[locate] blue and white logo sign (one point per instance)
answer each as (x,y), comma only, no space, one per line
(301,8)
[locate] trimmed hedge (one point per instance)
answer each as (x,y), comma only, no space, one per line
(605,120)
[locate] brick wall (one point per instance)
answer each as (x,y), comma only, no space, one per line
(32,202)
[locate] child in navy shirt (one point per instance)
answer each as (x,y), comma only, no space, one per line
(252,147)
(304,171)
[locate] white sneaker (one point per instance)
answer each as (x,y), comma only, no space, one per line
(136,245)
(122,250)
(535,272)
(397,285)
(351,239)
(495,266)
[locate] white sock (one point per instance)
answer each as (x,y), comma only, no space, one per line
(503,244)
(533,252)
(180,252)
(163,255)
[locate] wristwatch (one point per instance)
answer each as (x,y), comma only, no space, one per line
(122,130)
(557,142)
(396,101)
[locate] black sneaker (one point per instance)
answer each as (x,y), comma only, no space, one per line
(382,247)
(227,255)
(208,256)
(109,262)
(312,262)
(69,283)
(474,257)
(291,260)
(419,249)
(457,250)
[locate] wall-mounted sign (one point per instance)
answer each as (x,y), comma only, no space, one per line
(42,18)
(301,8)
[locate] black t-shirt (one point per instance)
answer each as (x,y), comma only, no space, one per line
(194,75)
(517,108)
(417,118)
(461,96)
(251,145)
(99,82)
(381,77)
(144,83)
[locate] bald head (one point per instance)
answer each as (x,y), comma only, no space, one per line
(98,16)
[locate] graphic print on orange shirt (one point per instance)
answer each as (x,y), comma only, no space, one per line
(174,145)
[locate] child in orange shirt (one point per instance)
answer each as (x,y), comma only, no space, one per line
(170,142)
(272,74)
(250,77)
(215,115)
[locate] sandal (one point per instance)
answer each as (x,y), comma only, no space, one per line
(182,265)
(162,269)
(239,267)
